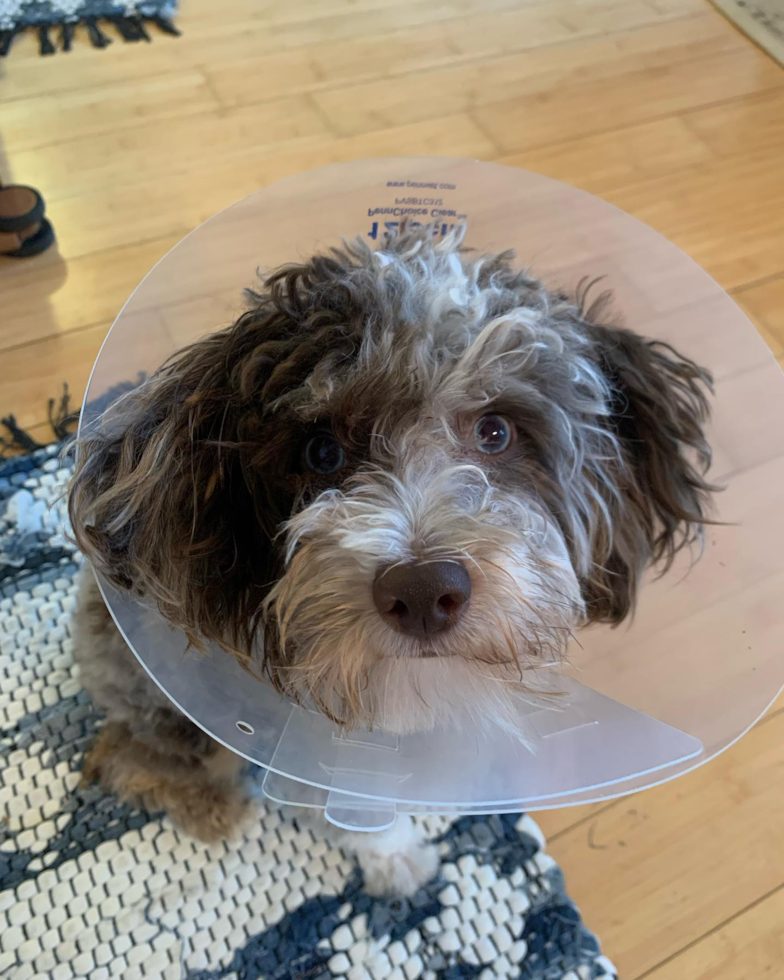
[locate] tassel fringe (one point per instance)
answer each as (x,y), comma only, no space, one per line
(63,420)
(66,36)
(45,45)
(131,28)
(20,440)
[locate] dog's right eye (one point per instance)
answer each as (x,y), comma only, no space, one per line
(493,434)
(324,454)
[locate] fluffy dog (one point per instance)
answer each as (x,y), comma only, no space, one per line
(394,487)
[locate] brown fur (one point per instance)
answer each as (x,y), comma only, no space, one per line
(200,797)
(148,754)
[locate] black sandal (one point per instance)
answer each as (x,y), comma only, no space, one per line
(41,237)
(20,207)
(23,229)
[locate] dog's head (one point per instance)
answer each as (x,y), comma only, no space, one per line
(399,481)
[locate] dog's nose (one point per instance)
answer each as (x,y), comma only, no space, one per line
(422,598)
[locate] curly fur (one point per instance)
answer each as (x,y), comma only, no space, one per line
(149,754)
(192,492)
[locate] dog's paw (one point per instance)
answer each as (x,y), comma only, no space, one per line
(214,814)
(398,861)
(398,873)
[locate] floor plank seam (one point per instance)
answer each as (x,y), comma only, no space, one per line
(458,62)
(58,334)
(651,971)
(753,283)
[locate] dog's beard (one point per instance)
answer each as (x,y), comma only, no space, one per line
(327,644)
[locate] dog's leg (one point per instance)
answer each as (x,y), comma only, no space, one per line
(202,793)
(398,861)
(148,753)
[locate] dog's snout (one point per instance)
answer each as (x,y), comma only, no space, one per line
(422,598)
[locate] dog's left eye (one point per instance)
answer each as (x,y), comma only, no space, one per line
(493,434)
(324,454)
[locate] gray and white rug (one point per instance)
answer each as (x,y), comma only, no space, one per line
(93,889)
(761,20)
(56,21)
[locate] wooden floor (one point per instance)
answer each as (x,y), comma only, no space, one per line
(659,106)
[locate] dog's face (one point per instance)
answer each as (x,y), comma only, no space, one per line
(400,481)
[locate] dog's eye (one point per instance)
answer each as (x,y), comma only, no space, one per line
(324,454)
(493,434)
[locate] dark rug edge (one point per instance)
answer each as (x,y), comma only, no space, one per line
(58,34)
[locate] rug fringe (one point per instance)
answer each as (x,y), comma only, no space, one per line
(64,418)
(131,28)
(97,36)
(165,25)
(6,40)
(66,35)
(20,440)
(45,45)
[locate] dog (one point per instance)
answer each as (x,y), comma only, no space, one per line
(393,488)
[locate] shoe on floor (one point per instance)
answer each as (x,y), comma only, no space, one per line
(23,229)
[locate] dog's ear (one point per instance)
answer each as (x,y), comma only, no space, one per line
(167,499)
(656,501)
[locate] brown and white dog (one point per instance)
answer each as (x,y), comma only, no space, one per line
(395,486)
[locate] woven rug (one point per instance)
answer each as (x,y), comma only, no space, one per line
(91,888)
(56,21)
(761,20)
